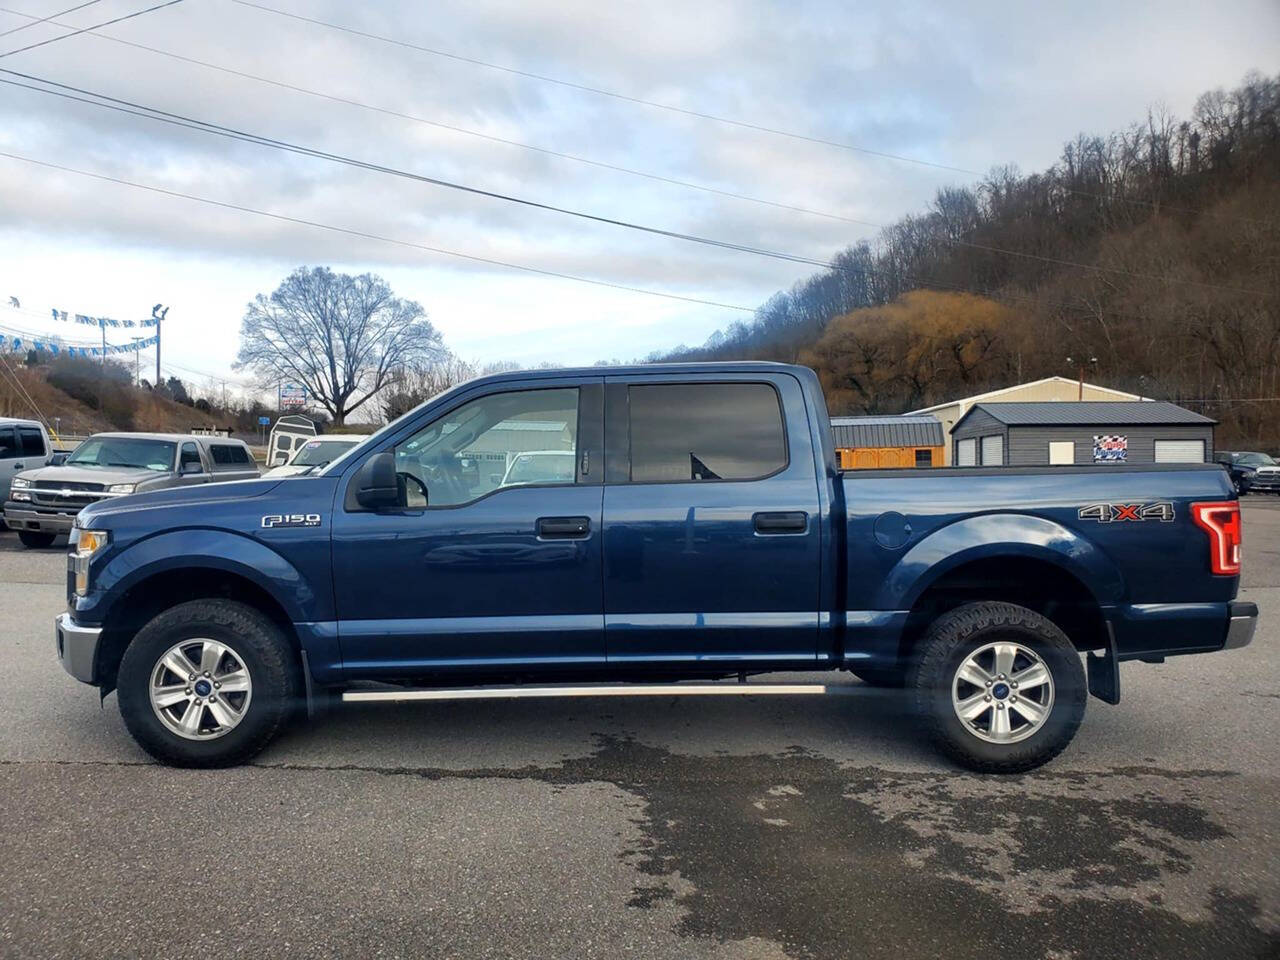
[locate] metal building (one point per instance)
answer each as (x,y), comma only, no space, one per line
(1056,389)
(1097,432)
(865,443)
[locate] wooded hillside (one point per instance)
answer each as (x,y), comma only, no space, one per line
(1155,249)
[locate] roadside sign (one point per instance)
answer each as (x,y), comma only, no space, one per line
(292,396)
(264,421)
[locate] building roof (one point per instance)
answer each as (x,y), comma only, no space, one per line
(992,394)
(1075,413)
(886,432)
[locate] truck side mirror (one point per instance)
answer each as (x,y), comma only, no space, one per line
(375,483)
(57,459)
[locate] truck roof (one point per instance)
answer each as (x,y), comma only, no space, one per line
(634,369)
(139,435)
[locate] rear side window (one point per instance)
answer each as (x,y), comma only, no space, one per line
(228,455)
(683,432)
(32,441)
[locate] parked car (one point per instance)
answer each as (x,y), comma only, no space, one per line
(1251,471)
(43,503)
(23,444)
(318,453)
(705,533)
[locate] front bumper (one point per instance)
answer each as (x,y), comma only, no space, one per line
(47,520)
(77,647)
(1241,624)
(1262,483)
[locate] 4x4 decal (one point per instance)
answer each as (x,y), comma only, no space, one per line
(1161,510)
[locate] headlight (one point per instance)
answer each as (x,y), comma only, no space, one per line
(84,544)
(122,488)
(20,483)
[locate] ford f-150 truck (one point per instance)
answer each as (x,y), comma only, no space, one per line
(703,533)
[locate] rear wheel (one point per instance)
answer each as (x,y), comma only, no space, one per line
(999,688)
(207,683)
(33,538)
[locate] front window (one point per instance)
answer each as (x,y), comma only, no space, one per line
(316,453)
(502,440)
(133,452)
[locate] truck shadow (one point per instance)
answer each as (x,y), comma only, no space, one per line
(868,725)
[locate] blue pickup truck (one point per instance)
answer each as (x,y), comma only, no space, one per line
(647,529)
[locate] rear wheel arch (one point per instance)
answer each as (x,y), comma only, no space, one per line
(1039,584)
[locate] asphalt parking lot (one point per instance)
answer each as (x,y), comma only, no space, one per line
(672,827)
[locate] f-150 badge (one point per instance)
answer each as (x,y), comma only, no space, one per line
(276,520)
(1161,510)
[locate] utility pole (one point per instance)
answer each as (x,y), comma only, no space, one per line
(1080,365)
(159,315)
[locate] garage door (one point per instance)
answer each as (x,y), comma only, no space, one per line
(993,451)
(967,453)
(1179,451)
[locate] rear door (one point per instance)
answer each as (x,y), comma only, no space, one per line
(711,521)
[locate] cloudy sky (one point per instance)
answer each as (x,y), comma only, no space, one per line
(963,86)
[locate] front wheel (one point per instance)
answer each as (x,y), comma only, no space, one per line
(999,688)
(33,538)
(207,683)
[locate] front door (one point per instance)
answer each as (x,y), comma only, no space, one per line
(493,562)
(712,523)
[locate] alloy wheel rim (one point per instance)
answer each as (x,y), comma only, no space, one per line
(200,689)
(1002,692)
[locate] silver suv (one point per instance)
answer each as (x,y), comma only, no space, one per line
(43,503)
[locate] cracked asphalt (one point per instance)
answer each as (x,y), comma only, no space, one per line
(667,827)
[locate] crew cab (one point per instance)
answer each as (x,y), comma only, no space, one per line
(43,503)
(704,534)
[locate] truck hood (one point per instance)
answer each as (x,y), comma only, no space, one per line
(183,499)
(100,475)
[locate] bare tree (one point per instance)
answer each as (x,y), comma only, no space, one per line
(341,337)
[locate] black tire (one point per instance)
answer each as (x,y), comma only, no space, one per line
(892,678)
(35,539)
(948,643)
(258,642)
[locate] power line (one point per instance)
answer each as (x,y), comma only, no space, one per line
(373,236)
(36,21)
(701,115)
(923,282)
(191,123)
(181,120)
(105,23)
(661,178)
(529,75)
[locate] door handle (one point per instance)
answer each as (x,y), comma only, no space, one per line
(789,521)
(564,528)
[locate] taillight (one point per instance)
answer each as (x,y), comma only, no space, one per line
(1222,522)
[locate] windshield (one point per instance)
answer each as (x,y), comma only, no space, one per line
(1256,459)
(133,452)
(313,453)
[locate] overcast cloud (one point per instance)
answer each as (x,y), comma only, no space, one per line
(964,85)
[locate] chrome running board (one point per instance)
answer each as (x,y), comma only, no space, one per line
(598,690)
